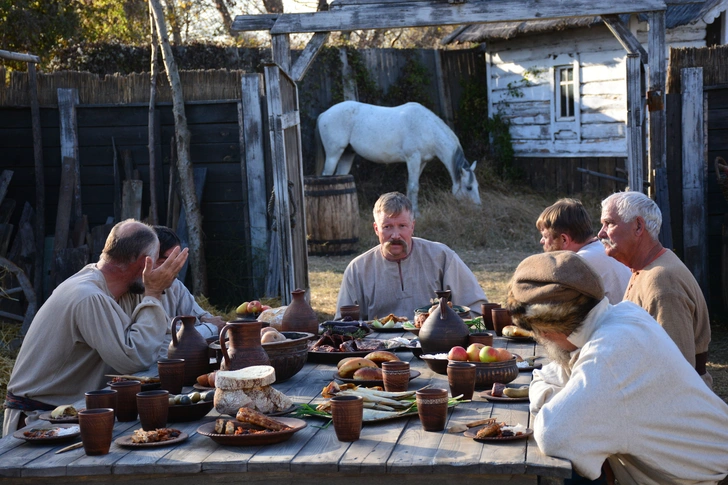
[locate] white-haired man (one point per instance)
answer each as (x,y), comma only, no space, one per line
(617,394)
(660,283)
(81,333)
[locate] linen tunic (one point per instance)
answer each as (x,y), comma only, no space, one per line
(628,396)
(79,335)
(381,287)
(668,291)
(615,275)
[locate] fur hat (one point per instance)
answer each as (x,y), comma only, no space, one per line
(555,277)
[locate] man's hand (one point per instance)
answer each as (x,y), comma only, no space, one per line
(159,279)
(219,322)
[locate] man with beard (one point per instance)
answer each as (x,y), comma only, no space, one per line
(567,226)
(81,333)
(403,272)
(660,283)
(605,399)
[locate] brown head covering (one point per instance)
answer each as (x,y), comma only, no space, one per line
(555,277)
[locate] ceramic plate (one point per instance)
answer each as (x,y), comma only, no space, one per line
(413,374)
(208,429)
(488,397)
(200,387)
(335,357)
(398,327)
(530,368)
(494,439)
(70,419)
(519,339)
(53,439)
(282,412)
(126,441)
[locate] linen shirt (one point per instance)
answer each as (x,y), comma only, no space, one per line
(381,287)
(629,397)
(615,275)
(79,335)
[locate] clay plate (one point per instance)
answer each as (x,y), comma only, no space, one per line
(69,419)
(208,429)
(397,327)
(494,439)
(520,339)
(335,357)
(53,439)
(282,412)
(126,441)
(488,397)
(413,374)
(200,387)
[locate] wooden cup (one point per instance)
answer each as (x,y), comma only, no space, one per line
(432,408)
(501,318)
(153,407)
(461,377)
(97,428)
(395,376)
(171,374)
(103,398)
(485,310)
(347,412)
(126,405)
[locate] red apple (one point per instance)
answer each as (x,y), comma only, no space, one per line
(254,306)
(488,354)
(474,352)
(458,353)
(503,355)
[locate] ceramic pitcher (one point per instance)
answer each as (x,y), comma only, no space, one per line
(443,330)
(190,345)
(244,348)
(299,316)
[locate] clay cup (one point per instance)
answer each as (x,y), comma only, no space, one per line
(126,405)
(485,310)
(153,407)
(351,311)
(501,319)
(432,408)
(461,377)
(97,428)
(103,398)
(347,412)
(171,374)
(395,376)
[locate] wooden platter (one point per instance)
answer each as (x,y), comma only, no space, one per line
(126,441)
(496,439)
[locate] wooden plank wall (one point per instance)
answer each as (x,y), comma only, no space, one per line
(215,145)
(560,177)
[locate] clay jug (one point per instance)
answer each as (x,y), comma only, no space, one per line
(189,345)
(443,330)
(244,348)
(299,316)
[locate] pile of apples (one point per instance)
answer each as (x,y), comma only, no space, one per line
(479,353)
(251,308)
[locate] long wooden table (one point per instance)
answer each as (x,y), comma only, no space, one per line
(398,451)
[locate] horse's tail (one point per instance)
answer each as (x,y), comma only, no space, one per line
(320,155)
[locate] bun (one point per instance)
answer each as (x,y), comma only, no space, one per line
(379,356)
(368,374)
(349,367)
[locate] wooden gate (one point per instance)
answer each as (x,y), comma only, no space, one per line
(288,240)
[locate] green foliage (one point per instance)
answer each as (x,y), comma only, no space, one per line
(410,86)
(125,21)
(366,87)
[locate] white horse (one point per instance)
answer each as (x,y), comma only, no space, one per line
(409,133)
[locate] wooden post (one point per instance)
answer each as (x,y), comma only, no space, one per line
(281,47)
(634,122)
(67,101)
(153,211)
(252,166)
(658,122)
(443,90)
(65,198)
(694,170)
(39,182)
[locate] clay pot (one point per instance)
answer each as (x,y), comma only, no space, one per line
(443,330)
(244,348)
(299,316)
(190,345)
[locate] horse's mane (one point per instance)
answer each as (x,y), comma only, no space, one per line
(459,163)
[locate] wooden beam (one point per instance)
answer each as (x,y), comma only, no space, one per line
(252,23)
(67,102)
(309,53)
(625,36)
(5,177)
(657,154)
(635,108)
(281,48)
(16,56)
(432,12)
(694,168)
(39,180)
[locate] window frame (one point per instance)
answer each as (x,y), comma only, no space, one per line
(566,123)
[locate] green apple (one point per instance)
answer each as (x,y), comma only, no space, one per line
(242,309)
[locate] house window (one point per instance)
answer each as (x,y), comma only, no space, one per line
(565,94)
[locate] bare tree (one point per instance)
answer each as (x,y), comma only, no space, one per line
(153,212)
(174,21)
(184,164)
(273,6)
(222,8)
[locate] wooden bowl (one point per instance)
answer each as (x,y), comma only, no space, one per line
(288,356)
(189,412)
(438,366)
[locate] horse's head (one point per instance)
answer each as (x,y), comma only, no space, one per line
(465,185)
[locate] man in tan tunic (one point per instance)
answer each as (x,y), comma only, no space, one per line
(81,333)
(660,283)
(403,272)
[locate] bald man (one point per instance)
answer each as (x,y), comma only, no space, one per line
(81,333)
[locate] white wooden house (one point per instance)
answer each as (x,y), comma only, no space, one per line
(562,83)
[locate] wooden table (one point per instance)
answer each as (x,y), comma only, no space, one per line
(392,452)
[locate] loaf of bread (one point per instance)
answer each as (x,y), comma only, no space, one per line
(514,331)
(368,374)
(228,402)
(246,378)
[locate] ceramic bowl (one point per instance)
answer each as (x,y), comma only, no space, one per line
(189,412)
(287,357)
(439,366)
(488,373)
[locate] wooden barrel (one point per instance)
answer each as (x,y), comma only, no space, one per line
(332,215)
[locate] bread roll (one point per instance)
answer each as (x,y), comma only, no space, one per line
(380,356)
(368,374)
(246,378)
(272,335)
(347,370)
